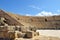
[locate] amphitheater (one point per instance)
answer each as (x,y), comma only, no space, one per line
(18,27)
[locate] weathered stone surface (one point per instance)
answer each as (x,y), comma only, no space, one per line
(17,26)
(50,22)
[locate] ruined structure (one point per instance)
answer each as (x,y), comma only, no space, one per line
(10,29)
(48,22)
(16,26)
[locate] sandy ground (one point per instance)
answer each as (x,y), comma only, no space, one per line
(53,33)
(40,38)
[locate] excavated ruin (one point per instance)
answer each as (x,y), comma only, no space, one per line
(13,26)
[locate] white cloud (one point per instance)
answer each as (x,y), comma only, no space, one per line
(44,13)
(28,15)
(35,7)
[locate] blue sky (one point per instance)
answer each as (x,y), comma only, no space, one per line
(31,7)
